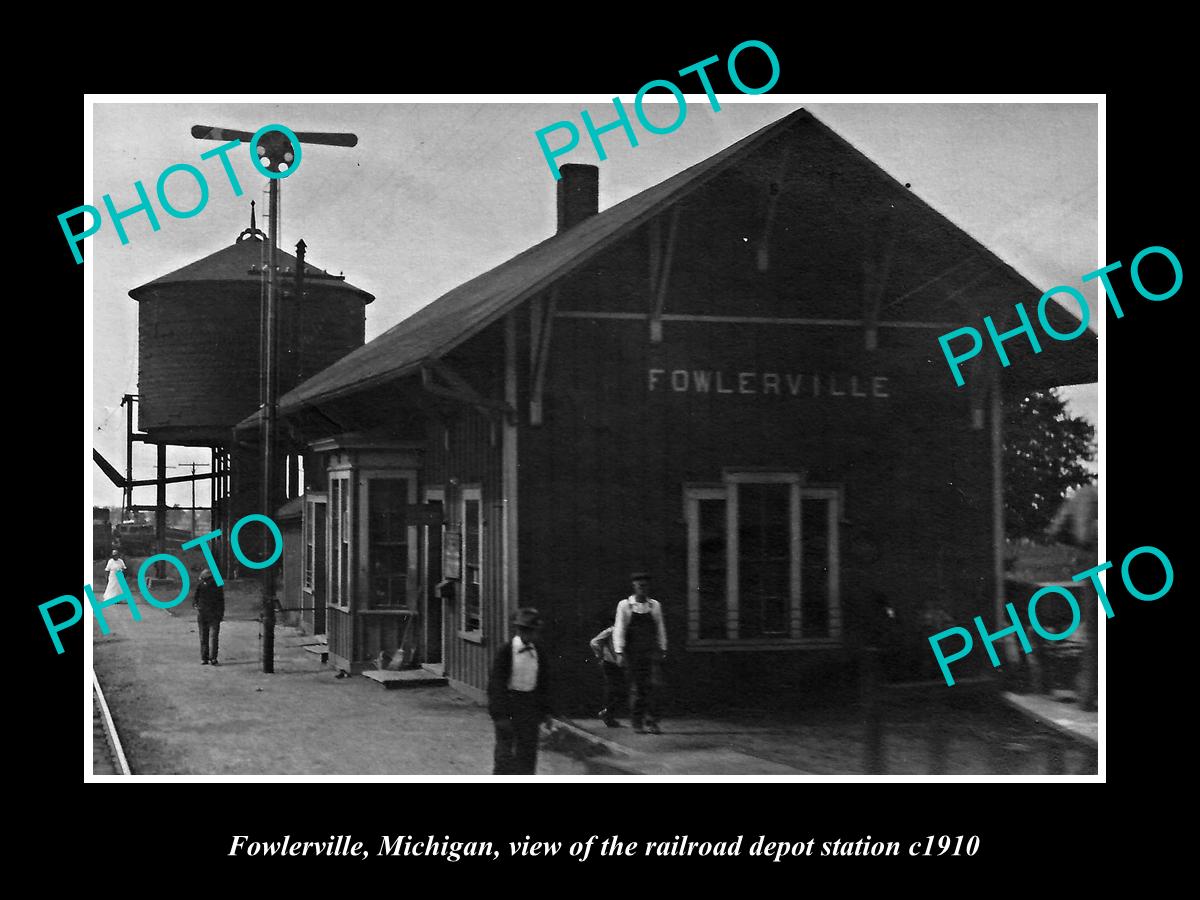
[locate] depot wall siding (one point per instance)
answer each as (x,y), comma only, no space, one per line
(463,450)
(602,484)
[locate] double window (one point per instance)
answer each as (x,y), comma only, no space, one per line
(762,562)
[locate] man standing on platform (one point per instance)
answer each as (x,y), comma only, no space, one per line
(519,696)
(640,642)
(209,604)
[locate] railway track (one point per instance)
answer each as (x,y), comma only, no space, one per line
(108,757)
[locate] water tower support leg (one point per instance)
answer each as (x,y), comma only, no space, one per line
(160,509)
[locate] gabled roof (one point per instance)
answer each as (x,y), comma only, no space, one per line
(241,262)
(461,313)
(458,315)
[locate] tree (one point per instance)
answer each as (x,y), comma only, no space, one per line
(1045,449)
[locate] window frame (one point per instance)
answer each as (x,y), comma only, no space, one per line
(728,491)
(343,493)
(311,500)
(434,493)
(467,493)
(431,493)
(363,478)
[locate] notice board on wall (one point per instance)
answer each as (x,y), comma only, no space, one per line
(452,551)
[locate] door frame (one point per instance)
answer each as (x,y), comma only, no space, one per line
(312,500)
(430,494)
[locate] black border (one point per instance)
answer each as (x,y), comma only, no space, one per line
(1147,448)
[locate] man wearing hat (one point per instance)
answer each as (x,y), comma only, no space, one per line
(640,642)
(209,603)
(519,696)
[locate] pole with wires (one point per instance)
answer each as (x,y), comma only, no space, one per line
(269,410)
(276,152)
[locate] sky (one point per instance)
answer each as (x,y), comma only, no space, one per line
(437,193)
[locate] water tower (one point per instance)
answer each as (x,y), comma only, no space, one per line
(199,344)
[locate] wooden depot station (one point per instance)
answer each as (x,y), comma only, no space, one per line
(731,379)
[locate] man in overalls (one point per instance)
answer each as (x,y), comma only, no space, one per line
(640,642)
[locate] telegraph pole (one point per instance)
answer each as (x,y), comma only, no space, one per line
(276,154)
(269,411)
(127,495)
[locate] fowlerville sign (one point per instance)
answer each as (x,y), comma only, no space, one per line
(795,384)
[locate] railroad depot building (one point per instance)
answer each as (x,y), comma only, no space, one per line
(731,380)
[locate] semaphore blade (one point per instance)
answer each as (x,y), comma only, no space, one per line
(333,139)
(330,138)
(210,133)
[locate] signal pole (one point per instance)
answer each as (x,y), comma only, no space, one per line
(193,499)
(276,153)
(269,411)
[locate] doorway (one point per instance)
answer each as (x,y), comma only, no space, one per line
(431,598)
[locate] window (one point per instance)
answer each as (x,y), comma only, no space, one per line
(707,613)
(314,539)
(762,562)
(309,545)
(472,560)
(387,541)
(339,519)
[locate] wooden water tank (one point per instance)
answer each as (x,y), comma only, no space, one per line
(198,339)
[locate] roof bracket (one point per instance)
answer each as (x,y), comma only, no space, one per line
(982,378)
(875,274)
(774,192)
(541,319)
(660,271)
(440,379)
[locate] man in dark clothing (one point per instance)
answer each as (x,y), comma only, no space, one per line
(209,603)
(519,696)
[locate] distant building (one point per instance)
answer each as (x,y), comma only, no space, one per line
(731,379)
(101,532)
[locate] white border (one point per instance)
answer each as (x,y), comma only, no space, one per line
(90,100)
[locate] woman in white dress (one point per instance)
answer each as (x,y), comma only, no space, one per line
(112,567)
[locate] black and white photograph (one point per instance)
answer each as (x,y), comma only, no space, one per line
(701,436)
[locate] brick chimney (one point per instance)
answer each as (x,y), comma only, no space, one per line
(578,194)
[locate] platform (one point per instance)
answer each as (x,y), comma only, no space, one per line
(321,650)
(405,678)
(688,762)
(1064,718)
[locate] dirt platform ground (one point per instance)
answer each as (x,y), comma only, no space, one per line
(176,716)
